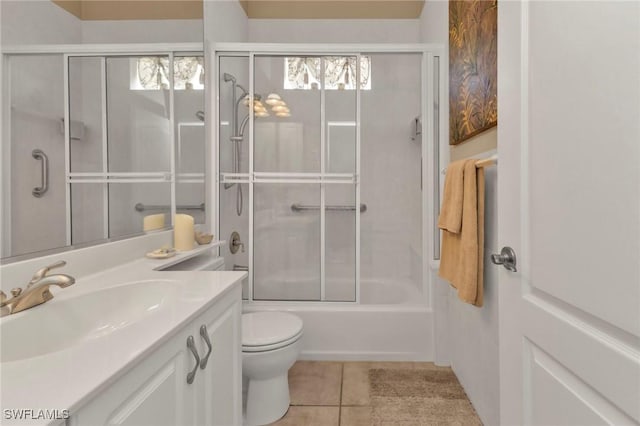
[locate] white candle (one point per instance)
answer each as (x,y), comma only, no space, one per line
(183,234)
(153,221)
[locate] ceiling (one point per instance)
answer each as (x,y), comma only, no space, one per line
(113,10)
(89,10)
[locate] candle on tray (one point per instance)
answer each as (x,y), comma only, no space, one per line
(183,233)
(153,222)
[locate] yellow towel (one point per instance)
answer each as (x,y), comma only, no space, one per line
(461,259)
(451,213)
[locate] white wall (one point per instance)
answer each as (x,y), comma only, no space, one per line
(473,331)
(334,31)
(224,21)
(143,31)
(467,336)
(434,22)
(38,22)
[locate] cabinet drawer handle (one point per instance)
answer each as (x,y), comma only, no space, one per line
(192,347)
(205,337)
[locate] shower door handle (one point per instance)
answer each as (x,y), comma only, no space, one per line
(39,191)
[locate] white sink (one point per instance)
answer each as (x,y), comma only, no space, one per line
(61,324)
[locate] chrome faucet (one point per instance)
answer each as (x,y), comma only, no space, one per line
(36,292)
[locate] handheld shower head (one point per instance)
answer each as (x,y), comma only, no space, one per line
(229,77)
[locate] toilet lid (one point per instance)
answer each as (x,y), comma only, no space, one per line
(269,328)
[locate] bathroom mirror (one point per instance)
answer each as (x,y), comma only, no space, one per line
(102,124)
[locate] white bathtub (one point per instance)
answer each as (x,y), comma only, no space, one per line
(379,292)
(392,323)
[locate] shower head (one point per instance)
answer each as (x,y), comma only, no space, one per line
(230,78)
(200,115)
(244,91)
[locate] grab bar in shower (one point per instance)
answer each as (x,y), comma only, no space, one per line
(301,207)
(141,207)
(39,191)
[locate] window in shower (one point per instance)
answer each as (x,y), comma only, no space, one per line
(303,73)
(152,73)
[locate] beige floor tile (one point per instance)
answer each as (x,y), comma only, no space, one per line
(355,416)
(315,383)
(310,416)
(355,385)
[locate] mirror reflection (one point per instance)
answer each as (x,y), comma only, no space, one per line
(100,141)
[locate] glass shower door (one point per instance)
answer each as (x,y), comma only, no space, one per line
(304,181)
(287,143)
(340,161)
(233,161)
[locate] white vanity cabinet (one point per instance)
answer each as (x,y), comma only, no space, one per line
(155,390)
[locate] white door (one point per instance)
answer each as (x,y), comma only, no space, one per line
(569,204)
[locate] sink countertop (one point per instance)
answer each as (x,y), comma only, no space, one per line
(69,378)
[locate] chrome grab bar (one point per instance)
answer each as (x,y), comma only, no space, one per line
(301,207)
(141,207)
(39,191)
(240,268)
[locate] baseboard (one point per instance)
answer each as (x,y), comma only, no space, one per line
(363,356)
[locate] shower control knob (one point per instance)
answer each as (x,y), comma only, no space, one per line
(235,243)
(506,258)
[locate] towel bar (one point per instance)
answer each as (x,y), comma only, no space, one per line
(483,162)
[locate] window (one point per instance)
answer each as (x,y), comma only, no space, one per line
(152,73)
(303,73)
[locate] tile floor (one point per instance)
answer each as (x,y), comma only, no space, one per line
(375,393)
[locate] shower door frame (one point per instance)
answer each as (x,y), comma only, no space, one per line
(433,85)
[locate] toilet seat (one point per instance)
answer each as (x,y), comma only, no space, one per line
(271,347)
(267,331)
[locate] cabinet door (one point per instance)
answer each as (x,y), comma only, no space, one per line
(220,387)
(154,393)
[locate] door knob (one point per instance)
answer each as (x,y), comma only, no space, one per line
(506,258)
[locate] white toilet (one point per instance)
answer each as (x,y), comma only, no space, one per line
(270,346)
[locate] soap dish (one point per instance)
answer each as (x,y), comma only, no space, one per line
(202,238)
(161,253)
